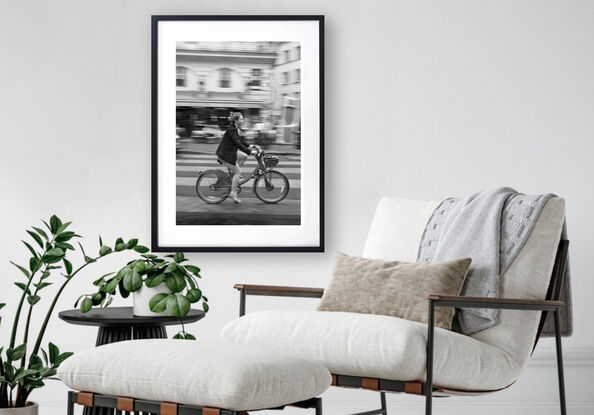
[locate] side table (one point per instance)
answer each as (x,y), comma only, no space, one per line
(119,324)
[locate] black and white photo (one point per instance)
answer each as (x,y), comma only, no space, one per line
(238,133)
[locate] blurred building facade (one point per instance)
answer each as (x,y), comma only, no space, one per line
(214,78)
(287,91)
(260,79)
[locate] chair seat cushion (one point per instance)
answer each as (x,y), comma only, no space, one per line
(377,346)
(223,375)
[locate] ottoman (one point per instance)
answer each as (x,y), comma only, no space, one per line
(191,377)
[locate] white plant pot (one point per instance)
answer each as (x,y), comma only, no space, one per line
(141,300)
(32,408)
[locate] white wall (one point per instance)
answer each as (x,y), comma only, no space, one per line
(423,100)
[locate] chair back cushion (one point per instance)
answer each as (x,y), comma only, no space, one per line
(395,235)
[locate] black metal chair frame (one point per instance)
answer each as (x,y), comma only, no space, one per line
(126,405)
(427,388)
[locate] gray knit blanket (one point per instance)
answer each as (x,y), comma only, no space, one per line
(490,227)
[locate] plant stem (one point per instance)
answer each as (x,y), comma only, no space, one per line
(26,335)
(55,300)
(17,315)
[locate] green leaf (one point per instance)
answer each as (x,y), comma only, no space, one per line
(85,306)
(102,278)
(66,236)
(178,257)
(30,248)
(132,243)
(178,336)
(190,336)
(97,298)
(205,307)
(62,227)
(193,269)
(61,358)
(154,280)
(8,371)
(35,362)
(23,287)
(100,241)
(35,263)
(175,282)
(53,255)
(21,373)
(88,259)
(41,232)
(55,224)
(194,295)
(42,285)
(65,245)
(2,305)
(16,353)
(123,291)
(177,305)
(44,354)
(54,352)
(104,250)
(82,249)
(36,237)
(120,247)
(158,303)
(141,249)
(22,269)
(33,299)
(111,285)
(67,266)
(132,281)
(171,267)
(35,383)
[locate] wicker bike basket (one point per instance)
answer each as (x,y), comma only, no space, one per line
(270,161)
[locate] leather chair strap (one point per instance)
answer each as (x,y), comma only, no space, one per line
(85,398)
(125,404)
(168,408)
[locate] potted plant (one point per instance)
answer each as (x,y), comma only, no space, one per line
(25,365)
(160,286)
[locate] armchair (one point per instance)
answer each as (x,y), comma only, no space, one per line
(388,354)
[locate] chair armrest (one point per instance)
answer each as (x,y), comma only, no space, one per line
(504,303)
(280,291)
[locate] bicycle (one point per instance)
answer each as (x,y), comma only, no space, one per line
(270,186)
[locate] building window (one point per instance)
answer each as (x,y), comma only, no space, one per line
(285,78)
(298,53)
(287,55)
(256,77)
(297,77)
(224,78)
(180,76)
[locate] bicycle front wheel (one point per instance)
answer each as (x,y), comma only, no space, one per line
(271,187)
(212,186)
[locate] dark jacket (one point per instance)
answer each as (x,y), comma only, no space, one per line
(230,143)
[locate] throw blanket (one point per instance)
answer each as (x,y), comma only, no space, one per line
(491,227)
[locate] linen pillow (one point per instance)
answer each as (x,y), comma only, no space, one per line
(393,288)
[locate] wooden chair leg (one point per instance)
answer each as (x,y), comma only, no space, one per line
(560,363)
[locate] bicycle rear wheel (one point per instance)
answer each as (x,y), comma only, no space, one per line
(271,186)
(213,186)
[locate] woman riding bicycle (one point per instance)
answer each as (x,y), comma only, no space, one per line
(233,151)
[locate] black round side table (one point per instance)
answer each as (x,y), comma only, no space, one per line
(118,324)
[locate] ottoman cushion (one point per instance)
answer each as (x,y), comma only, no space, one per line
(221,375)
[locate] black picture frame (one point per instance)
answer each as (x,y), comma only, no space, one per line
(156,244)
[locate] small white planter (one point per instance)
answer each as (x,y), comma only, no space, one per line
(32,408)
(141,300)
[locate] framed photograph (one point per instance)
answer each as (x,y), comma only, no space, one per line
(238,133)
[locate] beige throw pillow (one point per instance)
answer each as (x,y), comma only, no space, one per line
(393,288)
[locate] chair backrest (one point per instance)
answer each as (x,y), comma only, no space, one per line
(396,232)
